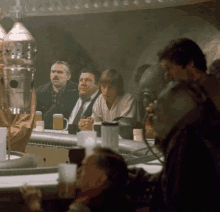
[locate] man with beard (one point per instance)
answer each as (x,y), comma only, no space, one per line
(58,96)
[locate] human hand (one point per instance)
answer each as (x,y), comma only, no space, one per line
(67,190)
(32,197)
(82,124)
(150,110)
(86,123)
(71,190)
(149,131)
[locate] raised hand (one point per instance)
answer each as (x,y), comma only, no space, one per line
(150,110)
(149,131)
(32,197)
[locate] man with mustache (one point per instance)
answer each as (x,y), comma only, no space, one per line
(88,93)
(58,96)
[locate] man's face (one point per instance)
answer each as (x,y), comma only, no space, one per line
(87,85)
(173,71)
(59,76)
(109,92)
(89,175)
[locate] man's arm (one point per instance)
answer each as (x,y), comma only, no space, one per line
(129,107)
(97,110)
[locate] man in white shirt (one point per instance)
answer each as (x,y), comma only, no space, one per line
(113,102)
(88,93)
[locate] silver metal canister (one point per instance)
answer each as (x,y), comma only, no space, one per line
(3,101)
(19,53)
(2,36)
(109,132)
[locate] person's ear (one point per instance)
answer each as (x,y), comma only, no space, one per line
(68,76)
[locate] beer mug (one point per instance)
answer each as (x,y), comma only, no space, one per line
(38,117)
(58,122)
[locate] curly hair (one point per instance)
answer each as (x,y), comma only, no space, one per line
(93,71)
(182,51)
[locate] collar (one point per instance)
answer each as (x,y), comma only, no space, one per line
(94,95)
(90,97)
(61,90)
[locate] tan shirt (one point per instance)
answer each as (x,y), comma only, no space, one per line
(123,106)
(21,124)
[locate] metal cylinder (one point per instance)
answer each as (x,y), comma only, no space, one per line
(18,160)
(3,33)
(19,53)
(2,36)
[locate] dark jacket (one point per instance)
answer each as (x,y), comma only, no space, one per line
(189,180)
(88,111)
(64,105)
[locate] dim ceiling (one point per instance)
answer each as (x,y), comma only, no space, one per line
(76,7)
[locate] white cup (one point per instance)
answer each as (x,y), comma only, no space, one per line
(3,135)
(67,176)
(40,126)
(87,139)
(58,122)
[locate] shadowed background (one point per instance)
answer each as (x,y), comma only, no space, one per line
(121,40)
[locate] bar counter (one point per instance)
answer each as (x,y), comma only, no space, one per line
(46,178)
(135,152)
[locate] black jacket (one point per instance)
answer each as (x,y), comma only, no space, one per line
(88,111)
(64,105)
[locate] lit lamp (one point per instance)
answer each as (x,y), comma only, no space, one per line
(19,53)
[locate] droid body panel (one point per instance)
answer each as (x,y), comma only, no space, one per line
(19,53)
